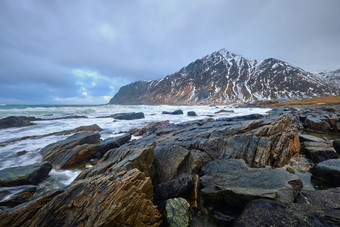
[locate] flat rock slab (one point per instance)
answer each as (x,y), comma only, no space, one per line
(273,213)
(176,112)
(129,116)
(328,171)
(325,198)
(234,186)
(319,151)
(23,175)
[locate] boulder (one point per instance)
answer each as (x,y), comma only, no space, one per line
(232,186)
(181,186)
(177,212)
(192,114)
(176,112)
(122,199)
(23,175)
(336,145)
(324,198)
(129,116)
(328,171)
(58,151)
(319,151)
(310,138)
(13,121)
(273,213)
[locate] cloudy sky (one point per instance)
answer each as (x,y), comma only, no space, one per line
(82,52)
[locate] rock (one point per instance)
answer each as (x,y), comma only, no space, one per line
(112,143)
(181,186)
(57,153)
(299,163)
(13,121)
(318,151)
(4,193)
(129,116)
(19,198)
(236,187)
(336,145)
(151,128)
(241,118)
(20,153)
(126,157)
(273,213)
(328,171)
(168,162)
(192,113)
(176,112)
(23,175)
(21,216)
(225,111)
(177,212)
(122,199)
(223,166)
(324,198)
(76,156)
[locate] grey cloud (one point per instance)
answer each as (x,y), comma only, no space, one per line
(43,41)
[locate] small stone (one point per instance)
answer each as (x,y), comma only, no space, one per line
(177,212)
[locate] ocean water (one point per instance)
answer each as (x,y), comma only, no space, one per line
(62,178)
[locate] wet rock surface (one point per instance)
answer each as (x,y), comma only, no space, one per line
(23,175)
(176,112)
(13,121)
(319,151)
(129,116)
(328,171)
(191,113)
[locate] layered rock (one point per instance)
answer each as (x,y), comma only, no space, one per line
(319,151)
(118,199)
(328,171)
(129,116)
(13,121)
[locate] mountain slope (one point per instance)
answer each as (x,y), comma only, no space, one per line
(224,77)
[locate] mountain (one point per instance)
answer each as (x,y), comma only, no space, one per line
(224,77)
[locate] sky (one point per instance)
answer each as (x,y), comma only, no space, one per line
(82,52)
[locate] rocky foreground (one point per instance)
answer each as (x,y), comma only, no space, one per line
(241,171)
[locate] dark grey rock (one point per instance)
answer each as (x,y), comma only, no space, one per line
(328,171)
(310,138)
(111,143)
(19,198)
(273,213)
(181,186)
(129,116)
(13,121)
(324,198)
(23,175)
(319,151)
(236,187)
(192,113)
(176,112)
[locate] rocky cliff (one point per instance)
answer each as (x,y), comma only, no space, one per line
(224,77)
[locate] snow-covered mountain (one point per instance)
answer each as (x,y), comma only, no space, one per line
(224,77)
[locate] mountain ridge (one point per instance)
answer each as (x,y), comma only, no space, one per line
(224,77)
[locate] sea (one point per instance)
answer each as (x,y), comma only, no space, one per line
(12,140)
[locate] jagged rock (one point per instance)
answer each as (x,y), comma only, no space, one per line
(319,120)
(328,171)
(58,151)
(112,143)
(273,213)
(19,198)
(241,118)
(177,212)
(22,216)
(176,112)
(129,116)
(122,199)
(318,151)
(233,186)
(324,198)
(336,145)
(299,163)
(151,128)
(126,157)
(181,186)
(192,113)
(23,175)
(13,121)
(223,166)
